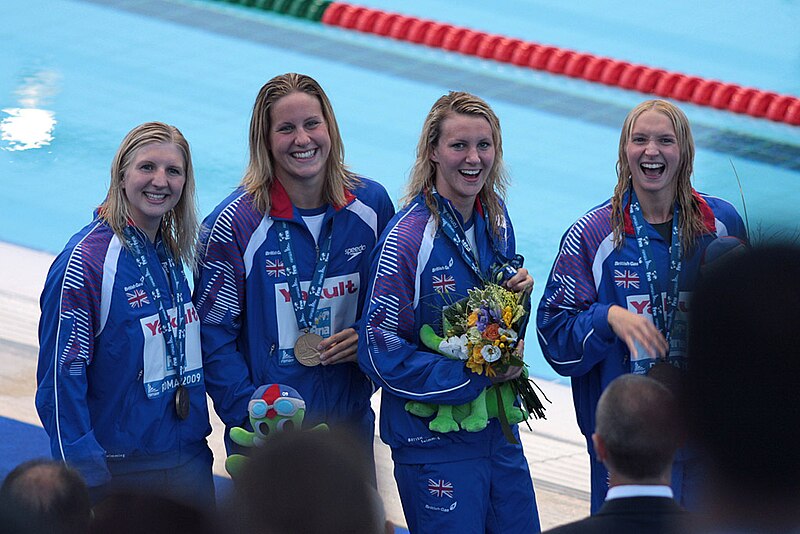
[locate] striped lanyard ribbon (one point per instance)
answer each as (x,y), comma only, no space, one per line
(174,337)
(662,318)
(304,310)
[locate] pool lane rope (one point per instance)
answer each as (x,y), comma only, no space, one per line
(555,60)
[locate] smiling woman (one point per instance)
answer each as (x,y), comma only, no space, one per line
(602,313)
(153,184)
(452,236)
(300,145)
(654,153)
(120,378)
(278,295)
(465,157)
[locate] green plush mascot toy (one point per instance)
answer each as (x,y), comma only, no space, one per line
(473,416)
(273,408)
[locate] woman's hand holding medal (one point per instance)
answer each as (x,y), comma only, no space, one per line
(339,348)
(311,349)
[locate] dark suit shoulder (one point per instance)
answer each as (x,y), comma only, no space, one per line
(634,515)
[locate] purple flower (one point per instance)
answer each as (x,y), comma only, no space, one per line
(483,319)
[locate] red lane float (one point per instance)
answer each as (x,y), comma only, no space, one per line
(562,61)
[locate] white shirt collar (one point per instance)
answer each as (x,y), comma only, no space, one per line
(633,490)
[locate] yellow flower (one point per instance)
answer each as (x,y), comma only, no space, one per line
(476,361)
(507,316)
(474,366)
(472,320)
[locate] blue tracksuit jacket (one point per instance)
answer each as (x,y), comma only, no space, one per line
(106,390)
(416,271)
(590,275)
(248,323)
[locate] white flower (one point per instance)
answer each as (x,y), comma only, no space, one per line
(491,353)
(510,334)
(455,346)
(474,335)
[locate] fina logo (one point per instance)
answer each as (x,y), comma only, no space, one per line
(353,252)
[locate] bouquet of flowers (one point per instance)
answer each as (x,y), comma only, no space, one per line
(483,330)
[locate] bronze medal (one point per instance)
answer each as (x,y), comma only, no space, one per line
(305,349)
(182,402)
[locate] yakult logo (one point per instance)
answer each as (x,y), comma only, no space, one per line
(336,311)
(640,304)
(339,290)
(160,375)
(156,328)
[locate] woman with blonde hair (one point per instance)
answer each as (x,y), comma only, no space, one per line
(121,391)
(284,261)
(617,296)
(452,235)
(423,174)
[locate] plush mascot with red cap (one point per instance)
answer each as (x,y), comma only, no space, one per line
(273,408)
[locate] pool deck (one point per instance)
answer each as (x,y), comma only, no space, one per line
(555,448)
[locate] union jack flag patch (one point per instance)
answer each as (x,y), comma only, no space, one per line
(137,298)
(626,279)
(275,268)
(444,283)
(440,488)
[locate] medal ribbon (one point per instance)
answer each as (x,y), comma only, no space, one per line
(455,233)
(175,339)
(662,318)
(304,310)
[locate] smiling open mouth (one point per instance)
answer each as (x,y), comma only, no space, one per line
(653,169)
(304,155)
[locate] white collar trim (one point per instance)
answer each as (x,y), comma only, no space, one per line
(633,490)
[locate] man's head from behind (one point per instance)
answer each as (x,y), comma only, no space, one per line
(308,482)
(637,430)
(49,494)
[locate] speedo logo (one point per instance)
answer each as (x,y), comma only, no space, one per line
(353,252)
